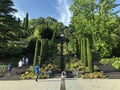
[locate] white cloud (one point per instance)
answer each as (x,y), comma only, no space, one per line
(20,14)
(63,10)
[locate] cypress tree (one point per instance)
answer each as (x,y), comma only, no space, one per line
(77,48)
(25,26)
(89,56)
(43,51)
(84,51)
(26,22)
(35,62)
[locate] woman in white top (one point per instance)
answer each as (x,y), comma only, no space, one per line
(20,63)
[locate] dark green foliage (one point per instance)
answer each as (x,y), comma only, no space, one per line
(26,22)
(9,29)
(46,33)
(6,7)
(116,50)
(25,30)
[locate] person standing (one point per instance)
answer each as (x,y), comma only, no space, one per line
(9,69)
(23,60)
(26,61)
(36,69)
(20,63)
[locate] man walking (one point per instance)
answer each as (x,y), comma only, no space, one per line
(36,69)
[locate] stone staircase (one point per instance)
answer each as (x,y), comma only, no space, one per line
(109,71)
(15,74)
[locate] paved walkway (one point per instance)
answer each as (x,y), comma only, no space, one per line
(54,84)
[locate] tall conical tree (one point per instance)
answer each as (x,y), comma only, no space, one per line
(81,50)
(37,37)
(89,56)
(77,48)
(84,51)
(26,22)
(25,26)
(43,51)
(35,61)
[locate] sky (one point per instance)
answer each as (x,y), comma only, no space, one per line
(58,9)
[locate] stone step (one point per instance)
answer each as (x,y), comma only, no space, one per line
(109,71)
(14,75)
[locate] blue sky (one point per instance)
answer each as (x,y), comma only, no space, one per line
(58,9)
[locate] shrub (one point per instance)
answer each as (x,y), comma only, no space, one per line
(94,75)
(106,61)
(29,74)
(116,64)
